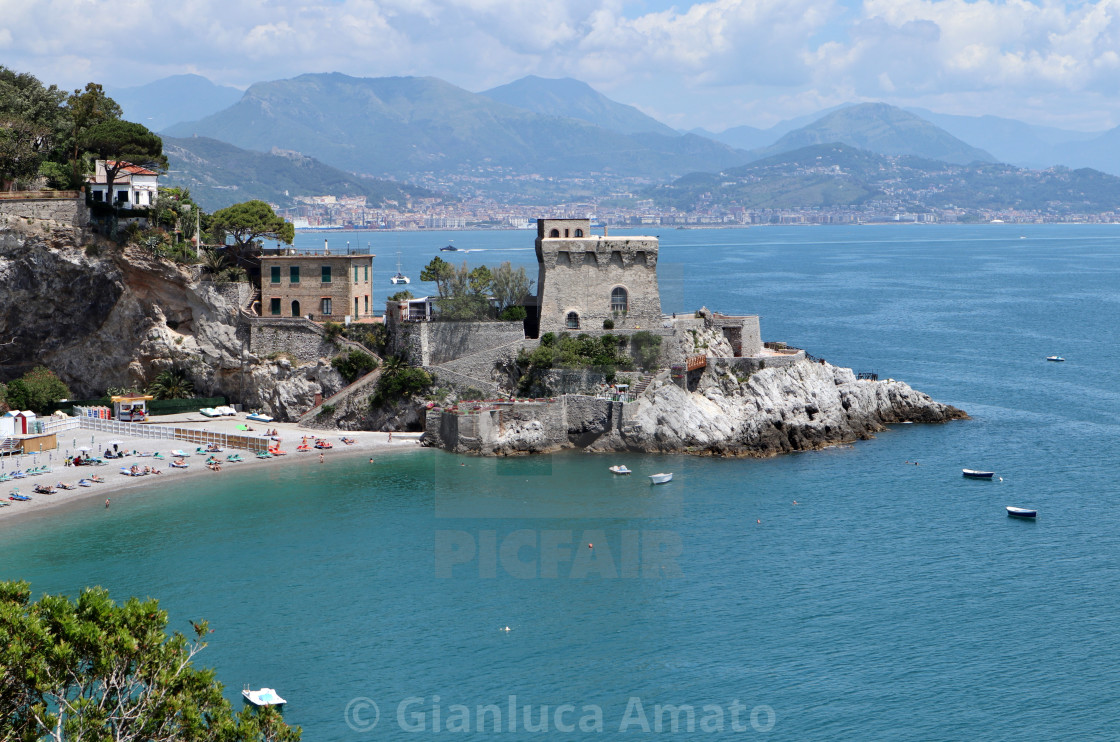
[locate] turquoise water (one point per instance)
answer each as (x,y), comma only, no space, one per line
(892,602)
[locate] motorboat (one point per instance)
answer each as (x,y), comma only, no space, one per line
(620,469)
(400,277)
(1014,512)
(1056,359)
(661,478)
(449,248)
(975,474)
(263,697)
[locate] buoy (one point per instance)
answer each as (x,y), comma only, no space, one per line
(589,546)
(795,502)
(758,521)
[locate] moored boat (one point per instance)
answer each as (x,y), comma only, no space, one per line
(1057,359)
(620,469)
(975,474)
(661,478)
(1015,512)
(263,697)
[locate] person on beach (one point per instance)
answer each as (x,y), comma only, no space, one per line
(390,436)
(320,457)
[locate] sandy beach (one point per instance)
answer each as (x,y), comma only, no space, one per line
(365,444)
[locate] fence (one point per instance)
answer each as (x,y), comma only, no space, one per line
(166,432)
(58,424)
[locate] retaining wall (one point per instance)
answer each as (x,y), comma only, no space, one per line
(69,212)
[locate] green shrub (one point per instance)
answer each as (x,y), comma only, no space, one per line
(332,330)
(513,314)
(473,393)
(325,411)
(646,348)
(399,381)
(608,324)
(35,390)
(354,364)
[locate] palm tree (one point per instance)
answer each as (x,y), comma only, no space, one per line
(214,261)
(174,383)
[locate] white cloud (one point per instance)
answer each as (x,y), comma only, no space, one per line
(699,63)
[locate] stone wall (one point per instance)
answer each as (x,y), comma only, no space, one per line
(30,211)
(435,343)
(301,338)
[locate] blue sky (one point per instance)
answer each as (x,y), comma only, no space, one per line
(712,63)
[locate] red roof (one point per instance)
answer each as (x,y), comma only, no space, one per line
(128,167)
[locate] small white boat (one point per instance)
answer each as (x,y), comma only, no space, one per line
(620,469)
(263,697)
(1014,512)
(975,474)
(1056,359)
(661,478)
(400,277)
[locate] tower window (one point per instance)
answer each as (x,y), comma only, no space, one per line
(579,233)
(554,233)
(619,300)
(572,321)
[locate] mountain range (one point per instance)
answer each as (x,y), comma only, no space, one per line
(837,175)
(404,126)
(550,138)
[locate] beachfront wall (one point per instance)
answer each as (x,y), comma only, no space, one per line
(299,338)
(320,287)
(256,444)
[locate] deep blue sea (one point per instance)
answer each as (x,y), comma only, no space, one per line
(892,602)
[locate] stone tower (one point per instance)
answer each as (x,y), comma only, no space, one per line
(584,279)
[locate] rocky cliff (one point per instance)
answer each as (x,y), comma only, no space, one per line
(801,407)
(103,316)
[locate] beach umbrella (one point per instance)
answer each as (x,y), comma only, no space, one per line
(84,448)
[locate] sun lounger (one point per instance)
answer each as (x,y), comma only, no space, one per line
(179,464)
(209,412)
(179,453)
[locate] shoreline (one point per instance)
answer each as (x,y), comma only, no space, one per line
(367,443)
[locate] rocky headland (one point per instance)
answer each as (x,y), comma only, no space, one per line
(800,407)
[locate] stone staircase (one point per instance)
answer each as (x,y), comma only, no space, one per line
(361,385)
(255,300)
(643,384)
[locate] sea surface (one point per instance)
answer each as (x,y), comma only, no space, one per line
(893,601)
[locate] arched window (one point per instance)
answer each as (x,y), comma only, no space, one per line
(579,233)
(554,233)
(573,321)
(619,300)
(295,309)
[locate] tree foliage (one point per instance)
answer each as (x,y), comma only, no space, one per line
(86,109)
(172,383)
(354,364)
(120,143)
(32,121)
(89,669)
(508,286)
(251,221)
(439,272)
(398,381)
(36,390)
(467,294)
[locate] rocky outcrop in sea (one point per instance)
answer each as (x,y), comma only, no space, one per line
(800,407)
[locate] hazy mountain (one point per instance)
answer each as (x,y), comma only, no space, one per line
(404,125)
(159,104)
(1009,140)
(219,174)
(578,100)
(836,175)
(750,137)
(883,129)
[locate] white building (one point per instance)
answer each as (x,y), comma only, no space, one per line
(133,187)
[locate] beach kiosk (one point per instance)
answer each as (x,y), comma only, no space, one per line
(23,420)
(131,409)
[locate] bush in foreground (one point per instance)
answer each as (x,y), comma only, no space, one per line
(93,670)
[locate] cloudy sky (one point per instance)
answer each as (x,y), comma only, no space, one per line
(714,64)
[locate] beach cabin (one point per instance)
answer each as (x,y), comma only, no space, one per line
(22,419)
(8,423)
(131,409)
